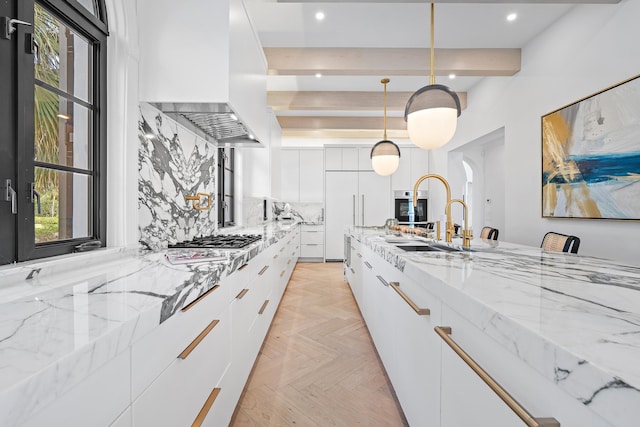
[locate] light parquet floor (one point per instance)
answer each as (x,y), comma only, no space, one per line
(318,365)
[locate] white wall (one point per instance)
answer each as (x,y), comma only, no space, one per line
(585,51)
(486,156)
(122,128)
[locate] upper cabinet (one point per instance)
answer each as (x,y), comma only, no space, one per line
(364,159)
(302,175)
(202,60)
(414,162)
(341,158)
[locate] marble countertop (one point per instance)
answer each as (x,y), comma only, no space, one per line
(79,311)
(574,319)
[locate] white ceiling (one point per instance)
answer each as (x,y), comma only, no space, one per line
(394,24)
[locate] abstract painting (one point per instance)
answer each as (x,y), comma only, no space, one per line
(591,156)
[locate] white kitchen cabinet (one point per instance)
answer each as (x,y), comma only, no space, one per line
(461,387)
(178,395)
(414,162)
(341,158)
(312,242)
(364,158)
(302,175)
(404,338)
(290,175)
(353,198)
(311,175)
(374,197)
(341,194)
(356,272)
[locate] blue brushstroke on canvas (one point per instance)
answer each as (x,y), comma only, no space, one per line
(599,168)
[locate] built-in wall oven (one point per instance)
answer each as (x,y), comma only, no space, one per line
(404,209)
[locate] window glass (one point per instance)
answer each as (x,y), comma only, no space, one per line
(89,5)
(62,130)
(63,58)
(65,200)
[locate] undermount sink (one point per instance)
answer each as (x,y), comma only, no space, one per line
(419,248)
(432,247)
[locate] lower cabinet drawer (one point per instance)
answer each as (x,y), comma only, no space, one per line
(312,237)
(312,251)
(155,351)
(180,392)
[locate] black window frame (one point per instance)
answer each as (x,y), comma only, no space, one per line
(95,30)
(226,175)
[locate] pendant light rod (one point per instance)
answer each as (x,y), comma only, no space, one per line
(384,82)
(432,76)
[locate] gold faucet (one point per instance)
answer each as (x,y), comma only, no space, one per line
(466,233)
(449,225)
(196,201)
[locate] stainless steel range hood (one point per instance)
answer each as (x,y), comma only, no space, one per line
(216,122)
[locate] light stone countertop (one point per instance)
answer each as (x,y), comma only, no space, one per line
(82,310)
(574,319)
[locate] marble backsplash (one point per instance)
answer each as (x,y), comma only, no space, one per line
(305,212)
(253,211)
(173,163)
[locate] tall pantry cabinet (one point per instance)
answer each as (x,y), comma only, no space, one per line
(354,196)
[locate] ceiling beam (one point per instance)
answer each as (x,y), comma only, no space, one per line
(342,100)
(332,127)
(391,61)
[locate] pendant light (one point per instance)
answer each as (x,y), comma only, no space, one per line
(432,111)
(385,154)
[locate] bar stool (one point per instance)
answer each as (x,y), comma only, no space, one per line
(489,233)
(560,243)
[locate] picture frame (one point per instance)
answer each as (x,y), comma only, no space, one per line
(591,156)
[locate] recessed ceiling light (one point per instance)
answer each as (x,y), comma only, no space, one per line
(512,17)
(452,76)
(318,75)
(320,16)
(149,135)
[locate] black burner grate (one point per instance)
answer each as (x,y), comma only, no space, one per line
(222,241)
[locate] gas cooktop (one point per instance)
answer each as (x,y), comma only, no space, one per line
(220,241)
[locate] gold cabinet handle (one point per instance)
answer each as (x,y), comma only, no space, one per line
(368,265)
(523,414)
(384,282)
(352,270)
(275,256)
(288,262)
(200,298)
(242,293)
(282,273)
(243,266)
(206,407)
(187,351)
(265,268)
(264,306)
(413,305)
(281,249)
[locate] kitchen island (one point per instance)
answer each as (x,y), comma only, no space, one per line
(560,332)
(110,323)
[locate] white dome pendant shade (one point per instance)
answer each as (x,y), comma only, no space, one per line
(432,111)
(385,154)
(385,157)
